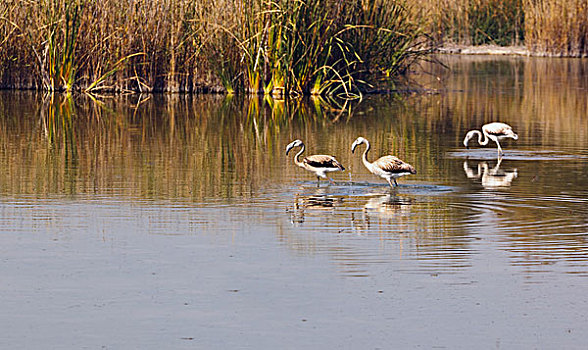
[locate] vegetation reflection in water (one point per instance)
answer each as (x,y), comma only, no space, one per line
(166,146)
(207,150)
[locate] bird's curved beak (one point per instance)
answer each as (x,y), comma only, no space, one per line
(353,147)
(288,148)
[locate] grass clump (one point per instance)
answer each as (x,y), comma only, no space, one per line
(289,47)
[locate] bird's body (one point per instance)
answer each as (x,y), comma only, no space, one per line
(493,131)
(387,167)
(320,164)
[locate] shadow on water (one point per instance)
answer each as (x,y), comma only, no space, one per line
(386,206)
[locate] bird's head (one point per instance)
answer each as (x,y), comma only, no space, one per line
(467,138)
(357,142)
(295,143)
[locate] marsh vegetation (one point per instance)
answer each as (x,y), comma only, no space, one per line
(280,48)
(545,27)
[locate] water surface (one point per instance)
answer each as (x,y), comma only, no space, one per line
(179,222)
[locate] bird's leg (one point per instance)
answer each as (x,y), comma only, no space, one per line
(395,183)
(318,181)
(390,182)
(500,153)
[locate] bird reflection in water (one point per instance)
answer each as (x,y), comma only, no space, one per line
(387,204)
(491,178)
(388,207)
(319,201)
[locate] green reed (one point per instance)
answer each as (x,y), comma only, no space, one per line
(49,31)
(496,22)
(328,47)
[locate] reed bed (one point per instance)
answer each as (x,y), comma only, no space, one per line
(474,22)
(282,47)
(102,45)
(545,27)
(557,28)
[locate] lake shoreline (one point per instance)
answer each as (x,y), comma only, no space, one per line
(496,50)
(205,88)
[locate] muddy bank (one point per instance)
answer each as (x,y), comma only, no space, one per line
(484,50)
(497,50)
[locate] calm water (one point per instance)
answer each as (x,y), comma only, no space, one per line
(178,222)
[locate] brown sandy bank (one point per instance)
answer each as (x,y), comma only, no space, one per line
(495,50)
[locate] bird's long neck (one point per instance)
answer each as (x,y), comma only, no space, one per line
(486,139)
(366,162)
(296,161)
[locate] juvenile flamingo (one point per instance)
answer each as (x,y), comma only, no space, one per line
(493,131)
(319,164)
(387,167)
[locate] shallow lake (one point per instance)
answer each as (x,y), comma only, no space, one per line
(167,221)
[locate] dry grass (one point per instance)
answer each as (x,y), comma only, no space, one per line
(557,27)
(546,27)
(474,22)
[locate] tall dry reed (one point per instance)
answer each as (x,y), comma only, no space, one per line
(474,22)
(557,27)
(546,27)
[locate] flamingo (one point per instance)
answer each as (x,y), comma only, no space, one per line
(387,167)
(319,164)
(493,131)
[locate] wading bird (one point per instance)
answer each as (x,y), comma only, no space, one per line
(319,164)
(492,131)
(387,167)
